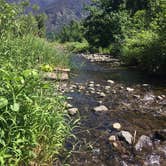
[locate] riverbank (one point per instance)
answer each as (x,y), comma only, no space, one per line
(101,96)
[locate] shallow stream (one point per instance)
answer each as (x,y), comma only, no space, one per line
(134,100)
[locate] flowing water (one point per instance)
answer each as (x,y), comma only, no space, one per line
(140,109)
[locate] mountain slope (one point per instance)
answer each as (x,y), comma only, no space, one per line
(60,12)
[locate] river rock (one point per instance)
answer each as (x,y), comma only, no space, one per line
(102,94)
(159,97)
(143,142)
(69,105)
(101,108)
(149,98)
(112,138)
(91,85)
(152,160)
(117,126)
(127,136)
(110,81)
(73,111)
(69,98)
(129,89)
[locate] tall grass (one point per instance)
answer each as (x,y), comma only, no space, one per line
(33,126)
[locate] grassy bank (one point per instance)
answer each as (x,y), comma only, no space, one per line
(33,125)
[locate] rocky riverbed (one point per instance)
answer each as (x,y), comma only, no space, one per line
(122,117)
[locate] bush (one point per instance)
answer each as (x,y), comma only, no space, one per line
(77,47)
(133,47)
(146,49)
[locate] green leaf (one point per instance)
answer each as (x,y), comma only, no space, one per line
(3,102)
(15,107)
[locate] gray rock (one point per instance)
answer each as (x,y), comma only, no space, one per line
(127,136)
(144,141)
(152,160)
(101,108)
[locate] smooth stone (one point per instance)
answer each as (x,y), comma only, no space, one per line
(69,98)
(112,138)
(127,136)
(73,111)
(91,85)
(69,105)
(143,141)
(117,126)
(107,87)
(115,144)
(145,85)
(110,81)
(159,98)
(102,94)
(129,89)
(100,102)
(101,108)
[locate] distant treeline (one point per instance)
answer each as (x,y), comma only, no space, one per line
(135,30)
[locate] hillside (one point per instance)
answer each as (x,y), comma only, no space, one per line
(60,12)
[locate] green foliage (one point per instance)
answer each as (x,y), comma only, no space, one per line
(71,33)
(77,47)
(13,20)
(33,120)
(133,29)
(133,47)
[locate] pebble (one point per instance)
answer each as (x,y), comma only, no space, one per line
(102,94)
(69,98)
(112,138)
(69,105)
(130,89)
(117,126)
(127,136)
(115,144)
(73,111)
(101,108)
(110,81)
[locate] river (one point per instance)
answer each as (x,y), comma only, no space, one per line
(134,100)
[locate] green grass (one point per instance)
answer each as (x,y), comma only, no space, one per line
(33,120)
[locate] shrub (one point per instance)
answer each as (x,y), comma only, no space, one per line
(133,47)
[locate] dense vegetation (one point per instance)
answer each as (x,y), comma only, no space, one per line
(133,29)
(33,126)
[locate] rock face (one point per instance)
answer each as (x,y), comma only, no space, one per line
(101,108)
(143,142)
(127,136)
